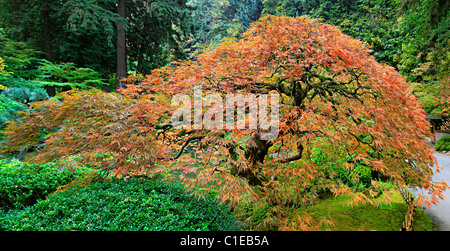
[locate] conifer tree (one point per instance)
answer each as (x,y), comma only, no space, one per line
(121,46)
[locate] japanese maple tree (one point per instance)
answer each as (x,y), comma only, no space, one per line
(331,91)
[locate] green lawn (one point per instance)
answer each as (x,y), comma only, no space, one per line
(367,218)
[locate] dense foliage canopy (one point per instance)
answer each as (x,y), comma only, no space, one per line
(353,81)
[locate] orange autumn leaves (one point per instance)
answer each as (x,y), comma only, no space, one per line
(332,92)
(330,87)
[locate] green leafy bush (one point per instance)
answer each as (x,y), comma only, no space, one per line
(9,109)
(443,144)
(15,99)
(11,81)
(19,58)
(255,214)
(25,95)
(116,204)
(357,174)
(23,184)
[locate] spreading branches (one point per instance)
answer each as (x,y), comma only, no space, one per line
(330,89)
(186,143)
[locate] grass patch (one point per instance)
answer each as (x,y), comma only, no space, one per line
(366,217)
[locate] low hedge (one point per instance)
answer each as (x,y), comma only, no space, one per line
(443,144)
(23,184)
(122,205)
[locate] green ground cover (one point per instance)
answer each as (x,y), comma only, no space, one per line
(366,217)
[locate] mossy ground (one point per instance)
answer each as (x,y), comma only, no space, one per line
(385,217)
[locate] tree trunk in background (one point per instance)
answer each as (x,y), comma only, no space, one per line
(121,47)
(140,58)
(47,35)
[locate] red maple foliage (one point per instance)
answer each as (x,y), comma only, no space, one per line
(331,91)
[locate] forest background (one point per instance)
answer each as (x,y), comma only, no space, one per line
(67,44)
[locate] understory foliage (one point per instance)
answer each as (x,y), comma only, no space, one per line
(443,144)
(21,67)
(444,97)
(332,93)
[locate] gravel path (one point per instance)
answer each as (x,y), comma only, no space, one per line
(440,214)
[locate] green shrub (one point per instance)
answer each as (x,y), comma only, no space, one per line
(9,109)
(134,204)
(6,104)
(15,99)
(19,58)
(25,95)
(443,144)
(359,176)
(254,214)
(11,81)
(23,184)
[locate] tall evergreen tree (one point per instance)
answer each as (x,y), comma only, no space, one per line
(121,46)
(88,32)
(155,31)
(91,33)
(215,20)
(78,31)
(47,33)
